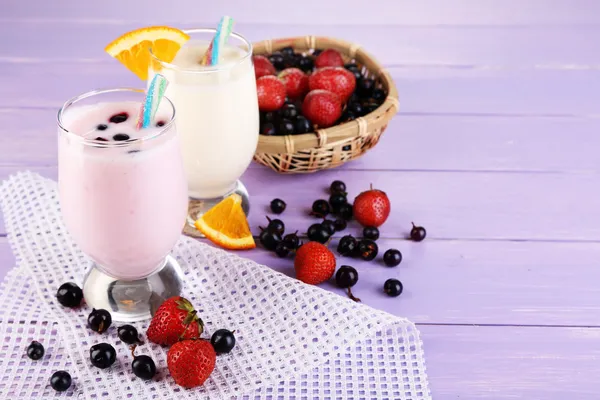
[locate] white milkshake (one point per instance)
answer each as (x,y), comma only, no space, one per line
(217,113)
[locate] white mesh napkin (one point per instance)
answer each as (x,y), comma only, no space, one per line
(294,341)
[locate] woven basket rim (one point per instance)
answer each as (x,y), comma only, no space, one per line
(358,127)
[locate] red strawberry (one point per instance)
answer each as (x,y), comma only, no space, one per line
(271,93)
(335,79)
(191,362)
(322,107)
(295,81)
(314,263)
(329,58)
(175,319)
(371,208)
(262,66)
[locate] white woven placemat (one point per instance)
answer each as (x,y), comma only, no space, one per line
(294,341)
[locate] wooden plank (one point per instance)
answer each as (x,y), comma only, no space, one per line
(512,362)
(451,205)
(422,91)
(424,143)
(440,46)
(483,282)
(351,12)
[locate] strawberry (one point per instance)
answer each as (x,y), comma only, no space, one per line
(175,319)
(322,107)
(262,66)
(329,58)
(371,208)
(271,93)
(295,81)
(335,79)
(314,263)
(191,362)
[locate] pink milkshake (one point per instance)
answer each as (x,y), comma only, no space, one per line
(123,191)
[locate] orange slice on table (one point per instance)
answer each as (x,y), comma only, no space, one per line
(131,49)
(226,225)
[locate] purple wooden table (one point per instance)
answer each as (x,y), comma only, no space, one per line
(495,151)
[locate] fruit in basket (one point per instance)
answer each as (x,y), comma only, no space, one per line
(322,108)
(175,319)
(302,125)
(277,60)
(334,79)
(365,87)
(262,66)
(295,82)
(226,225)
(314,263)
(191,362)
(372,208)
(286,127)
(271,93)
(329,58)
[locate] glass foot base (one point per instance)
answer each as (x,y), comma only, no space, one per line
(197,207)
(131,301)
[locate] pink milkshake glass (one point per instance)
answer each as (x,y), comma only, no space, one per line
(123,196)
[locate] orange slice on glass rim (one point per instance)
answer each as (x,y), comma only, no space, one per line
(131,49)
(226,225)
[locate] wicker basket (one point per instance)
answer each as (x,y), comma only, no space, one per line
(331,147)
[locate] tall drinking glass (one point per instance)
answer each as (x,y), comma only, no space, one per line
(123,197)
(217,118)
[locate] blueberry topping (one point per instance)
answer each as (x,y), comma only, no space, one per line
(102,127)
(119,137)
(118,118)
(101,139)
(160,123)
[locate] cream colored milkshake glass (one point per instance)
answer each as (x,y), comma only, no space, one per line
(217,118)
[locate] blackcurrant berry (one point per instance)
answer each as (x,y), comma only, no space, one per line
(35,350)
(417,233)
(302,125)
(365,87)
(337,187)
(320,208)
(276,225)
(340,224)
(329,226)
(287,51)
(142,366)
(223,341)
(69,295)
(347,245)
(99,320)
(367,249)
(346,277)
(282,250)
(128,334)
(60,381)
(278,206)
(392,287)
(269,239)
(346,211)
(370,232)
(291,240)
(102,355)
(317,233)
(337,200)
(392,257)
